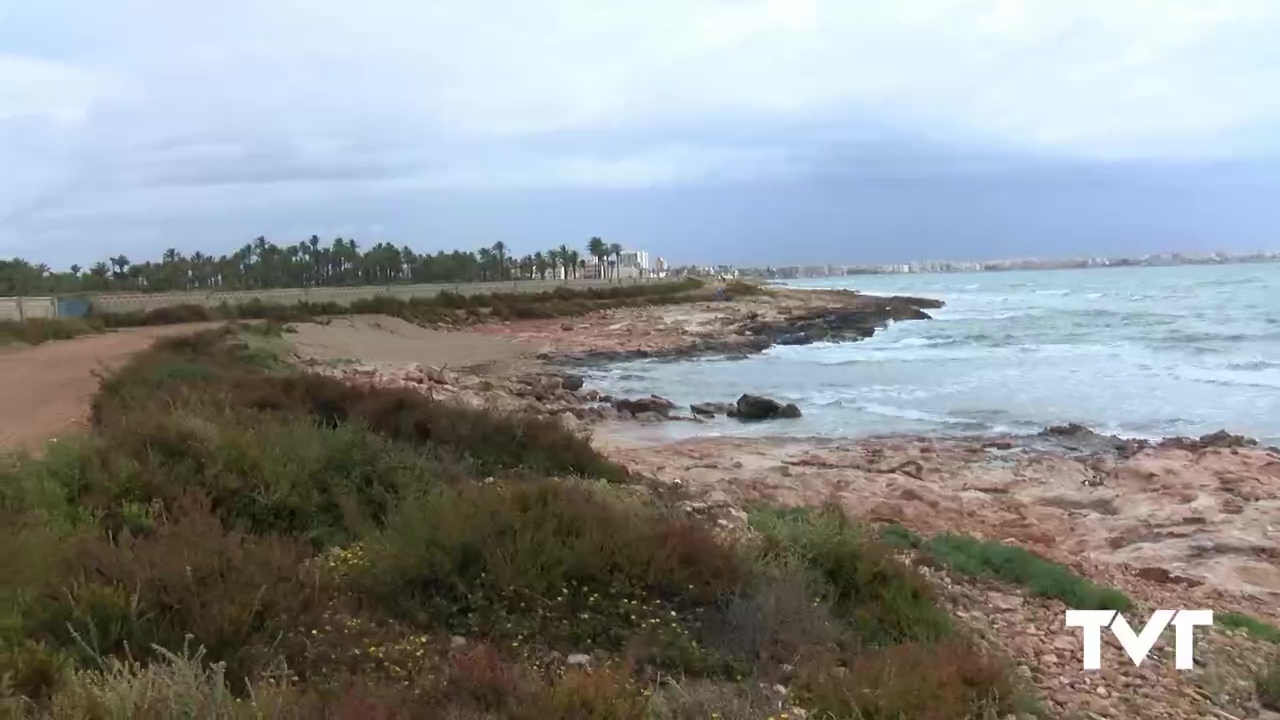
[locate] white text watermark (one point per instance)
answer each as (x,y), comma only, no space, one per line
(1138,645)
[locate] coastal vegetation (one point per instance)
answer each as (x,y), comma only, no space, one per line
(236,539)
(262,265)
(446,308)
(976,558)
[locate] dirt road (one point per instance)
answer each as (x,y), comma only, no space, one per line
(45,390)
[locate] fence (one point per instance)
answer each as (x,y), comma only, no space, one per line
(27,308)
(341,295)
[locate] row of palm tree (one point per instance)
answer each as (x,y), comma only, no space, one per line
(262,264)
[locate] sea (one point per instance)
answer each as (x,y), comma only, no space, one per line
(1143,352)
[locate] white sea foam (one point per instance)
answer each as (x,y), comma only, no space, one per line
(1137,351)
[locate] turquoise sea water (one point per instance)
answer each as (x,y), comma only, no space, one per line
(1142,352)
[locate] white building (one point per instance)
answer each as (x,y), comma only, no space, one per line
(634,259)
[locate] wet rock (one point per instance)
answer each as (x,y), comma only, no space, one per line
(651,404)
(711,409)
(1068,430)
(1080,439)
(1219,439)
(572,383)
(756,407)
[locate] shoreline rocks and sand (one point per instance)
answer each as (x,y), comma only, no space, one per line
(1179,523)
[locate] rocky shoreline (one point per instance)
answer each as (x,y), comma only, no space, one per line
(1180,522)
(739,328)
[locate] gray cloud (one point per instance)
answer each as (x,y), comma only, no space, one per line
(148,123)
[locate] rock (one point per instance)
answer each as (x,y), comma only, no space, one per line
(567,327)
(710,409)
(755,407)
(1068,430)
(1162,575)
(1219,439)
(651,404)
(572,383)
(579,659)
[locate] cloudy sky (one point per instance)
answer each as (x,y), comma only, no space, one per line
(735,130)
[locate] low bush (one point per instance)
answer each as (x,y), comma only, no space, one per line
(40,330)
(886,601)
(984,558)
(565,566)
(444,308)
(921,682)
(1251,625)
(1268,687)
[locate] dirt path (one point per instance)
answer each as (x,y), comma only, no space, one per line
(45,390)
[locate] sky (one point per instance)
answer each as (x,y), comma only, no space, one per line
(737,131)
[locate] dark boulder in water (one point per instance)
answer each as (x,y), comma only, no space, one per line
(755,407)
(1219,439)
(639,406)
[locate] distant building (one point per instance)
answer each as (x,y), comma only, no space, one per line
(634,259)
(660,267)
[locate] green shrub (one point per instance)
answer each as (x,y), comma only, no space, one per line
(573,567)
(1252,625)
(885,601)
(983,558)
(900,537)
(233,594)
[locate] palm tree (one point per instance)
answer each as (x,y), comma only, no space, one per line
(486,257)
(500,250)
(616,251)
(555,259)
(120,263)
(598,249)
(75,270)
(568,258)
(576,261)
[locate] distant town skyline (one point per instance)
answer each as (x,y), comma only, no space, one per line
(937,266)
